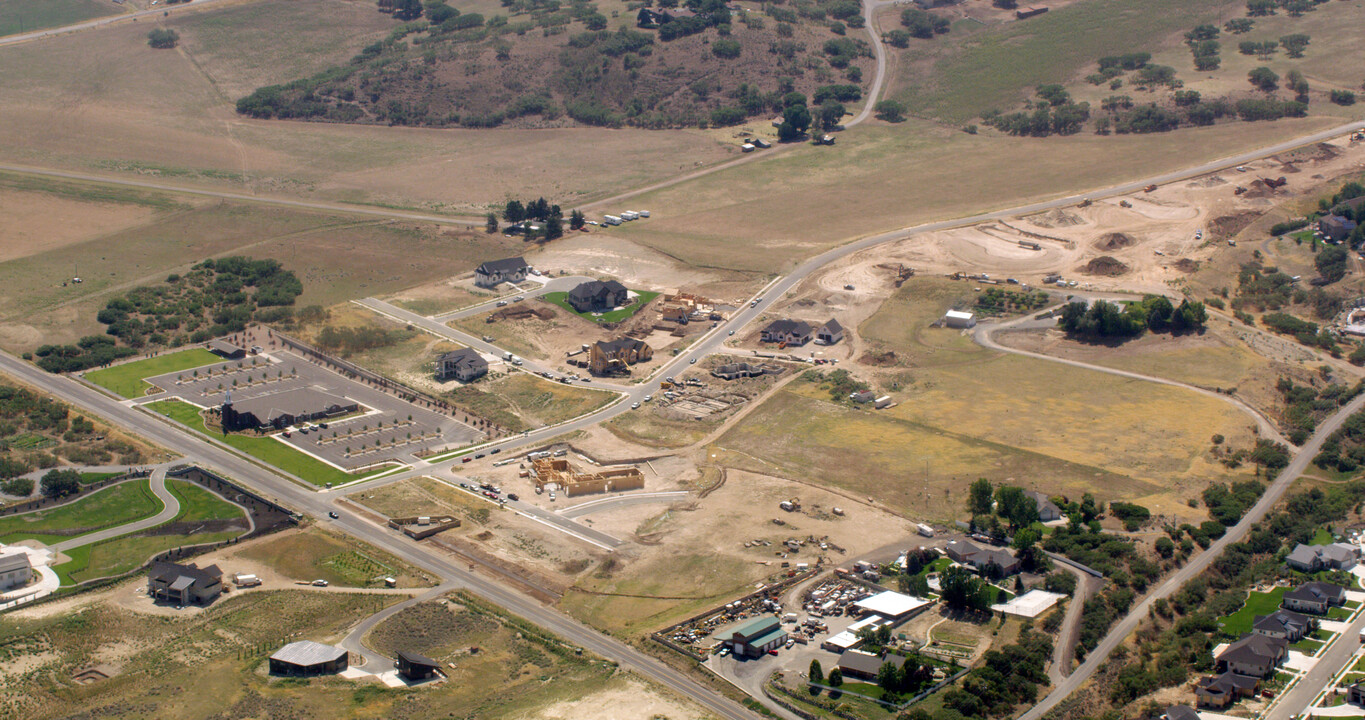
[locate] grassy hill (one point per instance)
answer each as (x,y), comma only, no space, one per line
(549,64)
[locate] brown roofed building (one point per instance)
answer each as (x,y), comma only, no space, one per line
(615,357)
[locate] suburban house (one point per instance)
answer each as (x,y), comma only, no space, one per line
(791,332)
(184,584)
(1283,624)
(1252,654)
(15,571)
(1047,510)
(1336,227)
(735,371)
(616,356)
(829,333)
(1312,558)
(493,272)
(226,350)
(1224,690)
(282,409)
(865,666)
(756,636)
(309,658)
(416,667)
(597,296)
(961,551)
(652,18)
(465,365)
(1314,597)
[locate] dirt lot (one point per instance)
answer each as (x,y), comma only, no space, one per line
(37,222)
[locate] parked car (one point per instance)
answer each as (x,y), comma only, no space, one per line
(320,583)
(476,457)
(333,514)
(495,451)
(466,458)
(513,497)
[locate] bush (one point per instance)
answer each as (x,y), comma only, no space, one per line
(1343,97)
(924,25)
(1288,226)
(18,487)
(727,49)
(163,38)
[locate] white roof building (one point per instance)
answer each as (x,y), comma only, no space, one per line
(892,605)
(959,319)
(1030,604)
(841,642)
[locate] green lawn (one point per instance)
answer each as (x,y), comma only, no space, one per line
(265,449)
(20,16)
(1310,647)
(90,478)
(117,505)
(1257,604)
(121,554)
(1323,536)
(127,379)
(1338,613)
(560,299)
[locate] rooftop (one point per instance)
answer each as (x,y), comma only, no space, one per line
(307,652)
(299,401)
(891,604)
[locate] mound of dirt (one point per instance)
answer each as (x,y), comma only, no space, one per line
(1056,218)
(1208,182)
(1229,225)
(881,359)
(1114,241)
(1187,265)
(1104,265)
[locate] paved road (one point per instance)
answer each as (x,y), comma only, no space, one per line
(170,508)
(1197,564)
(101,22)
(983,335)
(1300,696)
(374,661)
(318,505)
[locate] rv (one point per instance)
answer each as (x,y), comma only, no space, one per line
(611,220)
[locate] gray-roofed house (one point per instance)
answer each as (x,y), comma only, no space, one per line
(1252,654)
(756,636)
(1224,690)
(16,570)
(791,332)
(184,584)
(865,666)
(1047,510)
(1180,712)
(597,296)
(1336,227)
(286,408)
(830,333)
(306,657)
(491,273)
(226,350)
(961,551)
(1314,597)
(413,666)
(465,365)
(1284,624)
(1312,558)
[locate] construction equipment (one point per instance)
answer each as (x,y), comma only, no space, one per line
(1149,188)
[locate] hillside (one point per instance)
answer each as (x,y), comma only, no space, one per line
(553,65)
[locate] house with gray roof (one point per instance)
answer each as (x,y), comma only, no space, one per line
(309,658)
(597,296)
(1284,624)
(1223,690)
(1314,597)
(961,551)
(1336,227)
(16,570)
(791,332)
(465,365)
(493,272)
(184,584)
(1254,655)
(830,333)
(1314,558)
(1047,510)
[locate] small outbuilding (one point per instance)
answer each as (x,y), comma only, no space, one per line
(16,570)
(226,350)
(959,319)
(416,667)
(306,658)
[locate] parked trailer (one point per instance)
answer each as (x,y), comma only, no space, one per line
(611,220)
(630,215)
(925,530)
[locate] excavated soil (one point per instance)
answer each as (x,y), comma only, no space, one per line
(1056,218)
(881,359)
(1104,265)
(1187,265)
(1114,241)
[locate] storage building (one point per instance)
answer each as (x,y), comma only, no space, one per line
(754,637)
(308,658)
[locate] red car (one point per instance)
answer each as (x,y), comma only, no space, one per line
(772,652)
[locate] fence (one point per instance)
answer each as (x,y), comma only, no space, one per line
(44,502)
(661,636)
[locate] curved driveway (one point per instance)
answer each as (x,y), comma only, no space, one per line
(170,507)
(374,661)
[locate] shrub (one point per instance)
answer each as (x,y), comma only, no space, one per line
(1343,97)
(725,48)
(892,111)
(163,38)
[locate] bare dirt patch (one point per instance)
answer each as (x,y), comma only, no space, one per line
(1114,241)
(630,699)
(33,223)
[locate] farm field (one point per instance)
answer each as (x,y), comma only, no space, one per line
(203,518)
(116,505)
(127,381)
(265,449)
(315,554)
(17,16)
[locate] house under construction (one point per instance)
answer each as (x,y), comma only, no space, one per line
(572,482)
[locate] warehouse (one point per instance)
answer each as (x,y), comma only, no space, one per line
(891,606)
(754,637)
(308,658)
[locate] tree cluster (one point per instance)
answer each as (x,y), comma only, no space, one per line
(538,210)
(924,24)
(1155,312)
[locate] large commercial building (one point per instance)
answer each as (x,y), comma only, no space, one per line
(754,637)
(286,408)
(891,606)
(308,658)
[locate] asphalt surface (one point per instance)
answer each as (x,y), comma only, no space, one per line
(1197,564)
(354,641)
(1299,697)
(170,508)
(318,505)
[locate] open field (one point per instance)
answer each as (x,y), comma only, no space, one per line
(203,518)
(117,505)
(126,379)
(263,448)
(423,496)
(179,122)
(647,428)
(33,439)
(315,553)
(18,16)
(521,401)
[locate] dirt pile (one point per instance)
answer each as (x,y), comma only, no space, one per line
(1114,241)
(879,359)
(1056,218)
(1104,265)
(1208,182)
(1187,265)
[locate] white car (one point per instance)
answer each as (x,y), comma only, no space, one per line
(635,406)
(648,398)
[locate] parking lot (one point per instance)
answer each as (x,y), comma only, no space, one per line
(385,428)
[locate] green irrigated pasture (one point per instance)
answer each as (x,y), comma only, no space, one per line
(21,16)
(127,379)
(117,505)
(561,299)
